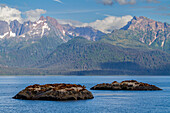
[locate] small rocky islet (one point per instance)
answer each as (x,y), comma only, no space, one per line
(56,92)
(60,92)
(126,85)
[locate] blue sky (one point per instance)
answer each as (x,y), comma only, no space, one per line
(91,10)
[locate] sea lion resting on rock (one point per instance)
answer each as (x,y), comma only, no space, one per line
(54,92)
(125,85)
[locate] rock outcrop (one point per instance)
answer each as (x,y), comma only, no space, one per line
(125,85)
(150,32)
(56,92)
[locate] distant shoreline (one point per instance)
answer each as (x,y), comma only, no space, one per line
(83,75)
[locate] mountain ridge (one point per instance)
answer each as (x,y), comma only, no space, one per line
(47,47)
(154,33)
(79,47)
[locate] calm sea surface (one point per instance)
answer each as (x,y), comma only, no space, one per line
(104,101)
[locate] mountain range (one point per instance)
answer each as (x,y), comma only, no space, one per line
(48,47)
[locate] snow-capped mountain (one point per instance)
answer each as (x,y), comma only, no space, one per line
(154,33)
(5,30)
(86,32)
(31,41)
(44,27)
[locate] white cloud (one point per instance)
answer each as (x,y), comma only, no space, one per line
(70,22)
(124,2)
(110,23)
(34,15)
(9,14)
(105,2)
(59,1)
(106,25)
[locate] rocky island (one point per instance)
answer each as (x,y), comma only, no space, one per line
(125,85)
(56,92)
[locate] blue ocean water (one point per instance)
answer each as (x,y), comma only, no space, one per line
(104,101)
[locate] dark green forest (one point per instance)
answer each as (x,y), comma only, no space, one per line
(83,57)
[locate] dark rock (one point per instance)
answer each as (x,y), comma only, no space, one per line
(15,27)
(125,85)
(4,27)
(56,92)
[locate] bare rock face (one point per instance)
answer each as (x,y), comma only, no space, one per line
(4,29)
(55,92)
(152,32)
(125,85)
(86,32)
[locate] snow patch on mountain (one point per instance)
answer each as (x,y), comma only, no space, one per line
(163,42)
(43,29)
(12,34)
(34,25)
(70,33)
(23,36)
(64,33)
(40,21)
(5,34)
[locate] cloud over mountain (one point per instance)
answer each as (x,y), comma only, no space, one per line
(110,23)
(70,22)
(34,15)
(9,14)
(106,25)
